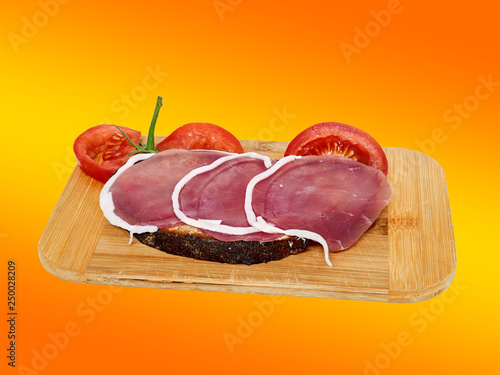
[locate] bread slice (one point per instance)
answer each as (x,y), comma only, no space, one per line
(188,241)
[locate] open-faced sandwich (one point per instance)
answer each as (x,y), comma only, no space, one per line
(198,194)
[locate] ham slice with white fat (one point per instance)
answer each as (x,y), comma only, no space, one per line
(214,197)
(139,196)
(332,196)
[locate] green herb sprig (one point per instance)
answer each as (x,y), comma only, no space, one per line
(149,147)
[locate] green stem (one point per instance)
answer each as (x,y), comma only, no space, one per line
(127,137)
(150,146)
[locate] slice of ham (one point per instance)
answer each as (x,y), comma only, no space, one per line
(141,194)
(332,196)
(214,197)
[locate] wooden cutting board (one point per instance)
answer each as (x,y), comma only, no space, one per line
(407,256)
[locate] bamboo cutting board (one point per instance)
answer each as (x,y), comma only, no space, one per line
(408,255)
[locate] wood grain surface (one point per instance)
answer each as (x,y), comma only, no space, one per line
(407,256)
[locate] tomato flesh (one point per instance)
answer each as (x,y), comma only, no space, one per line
(109,141)
(334,138)
(201,135)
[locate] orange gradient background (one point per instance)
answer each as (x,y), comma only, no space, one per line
(237,65)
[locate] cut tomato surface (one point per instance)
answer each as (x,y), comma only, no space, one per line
(109,141)
(334,138)
(201,135)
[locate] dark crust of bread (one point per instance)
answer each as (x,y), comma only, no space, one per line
(204,247)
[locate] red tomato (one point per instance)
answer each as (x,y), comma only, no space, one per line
(334,138)
(200,135)
(109,141)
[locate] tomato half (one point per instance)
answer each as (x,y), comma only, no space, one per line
(201,135)
(334,138)
(109,141)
